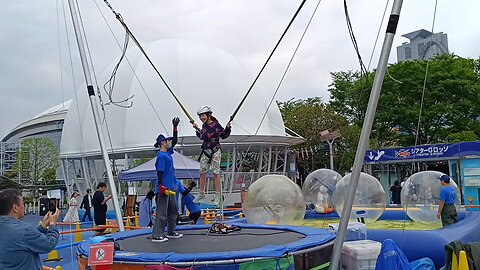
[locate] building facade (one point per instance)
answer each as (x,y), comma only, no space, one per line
(423,45)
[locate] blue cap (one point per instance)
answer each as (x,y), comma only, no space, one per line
(160,139)
(445,178)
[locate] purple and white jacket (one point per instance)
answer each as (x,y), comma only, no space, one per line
(211,134)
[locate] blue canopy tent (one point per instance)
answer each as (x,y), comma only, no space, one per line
(185,168)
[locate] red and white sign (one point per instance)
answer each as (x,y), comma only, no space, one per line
(101,254)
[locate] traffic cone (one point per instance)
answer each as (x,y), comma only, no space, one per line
(113,223)
(462,261)
(53,256)
(78,235)
(127,223)
(454,261)
(207,218)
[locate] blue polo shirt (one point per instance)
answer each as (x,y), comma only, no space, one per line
(188,200)
(191,206)
(448,195)
(164,164)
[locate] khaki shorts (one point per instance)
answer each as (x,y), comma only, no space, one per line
(214,165)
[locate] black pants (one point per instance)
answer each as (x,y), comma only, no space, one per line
(100,219)
(449,215)
(195,216)
(87,213)
(167,213)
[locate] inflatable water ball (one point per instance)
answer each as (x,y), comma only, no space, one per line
(420,196)
(318,189)
(274,199)
(369,202)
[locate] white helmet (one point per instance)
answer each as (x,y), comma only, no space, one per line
(204,109)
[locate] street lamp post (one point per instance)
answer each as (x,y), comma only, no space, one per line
(329,137)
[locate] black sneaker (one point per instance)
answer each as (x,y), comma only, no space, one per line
(175,235)
(159,239)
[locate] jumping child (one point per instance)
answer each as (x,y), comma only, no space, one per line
(210,134)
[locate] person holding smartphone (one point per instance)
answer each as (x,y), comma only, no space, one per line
(99,202)
(22,243)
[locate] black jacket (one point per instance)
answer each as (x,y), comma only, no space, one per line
(471,249)
(85,203)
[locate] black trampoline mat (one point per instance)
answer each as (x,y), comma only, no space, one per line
(197,241)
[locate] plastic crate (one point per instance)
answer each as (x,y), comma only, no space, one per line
(355,231)
(360,255)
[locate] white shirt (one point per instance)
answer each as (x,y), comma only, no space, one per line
(89,200)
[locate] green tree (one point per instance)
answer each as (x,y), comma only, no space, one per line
(451,101)
(50,176)
(462,136)
(308,118)
(36,161)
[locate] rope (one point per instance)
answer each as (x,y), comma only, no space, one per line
(131,67)
(63,97)
(75,87)
(244,156)
(288,66)
(378,34)
(111,81)
(98,88)
(266,62)
(60,55)
(74,84)
(118,16)
(424,83)
(420,116)
(363,69)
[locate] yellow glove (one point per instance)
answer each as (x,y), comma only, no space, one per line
(169,192)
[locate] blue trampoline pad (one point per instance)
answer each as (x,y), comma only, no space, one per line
(252,241)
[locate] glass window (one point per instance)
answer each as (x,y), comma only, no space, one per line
(408,53)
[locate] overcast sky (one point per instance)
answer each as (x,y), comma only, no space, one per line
(33,43)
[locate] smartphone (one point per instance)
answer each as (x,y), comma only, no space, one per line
(52,206)
(44,206)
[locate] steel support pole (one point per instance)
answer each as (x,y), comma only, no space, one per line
(93,103)
(330,145)
(366,129)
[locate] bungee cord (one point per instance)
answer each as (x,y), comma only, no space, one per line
(131,68)
(119,17)
(266,62)
(129,33)
(282,78)
(111,81)
(363,69)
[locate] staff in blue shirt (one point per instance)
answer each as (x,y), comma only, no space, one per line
(21,244)
(167,210)
(188,201)
(446,210)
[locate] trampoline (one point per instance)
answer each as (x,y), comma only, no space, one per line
(291,246)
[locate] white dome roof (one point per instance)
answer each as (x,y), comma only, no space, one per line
(198,74)
(60,108)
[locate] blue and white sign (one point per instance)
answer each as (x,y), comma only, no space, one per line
(435,151)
